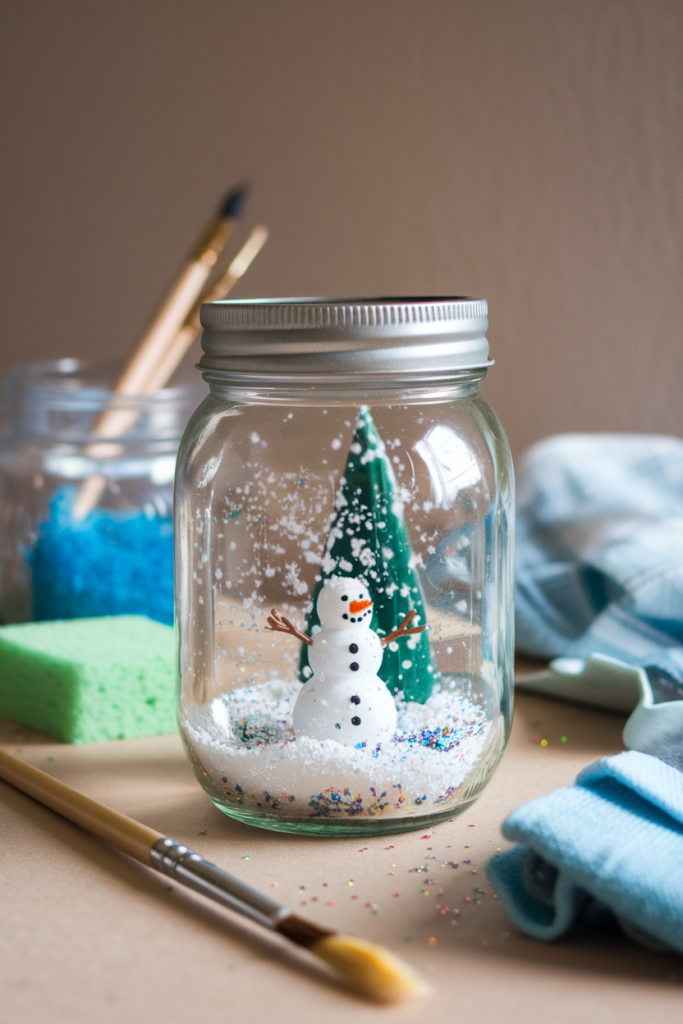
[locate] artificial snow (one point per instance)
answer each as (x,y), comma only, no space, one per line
(246,744)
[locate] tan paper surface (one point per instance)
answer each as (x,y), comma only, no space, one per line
(89,935)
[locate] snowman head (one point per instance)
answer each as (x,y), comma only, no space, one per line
(344,603)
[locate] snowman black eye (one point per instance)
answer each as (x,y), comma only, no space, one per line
(344,598)
(355,720)
(355,700)
(354,666)
(353,648)
(344,616)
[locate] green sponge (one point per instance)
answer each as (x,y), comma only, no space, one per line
(84,680)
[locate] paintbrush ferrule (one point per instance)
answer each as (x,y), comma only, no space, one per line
(190,869)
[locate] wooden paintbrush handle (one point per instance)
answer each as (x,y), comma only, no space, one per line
(121,831)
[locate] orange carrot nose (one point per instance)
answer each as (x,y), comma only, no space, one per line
(359,606)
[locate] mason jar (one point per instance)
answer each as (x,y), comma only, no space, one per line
(344,598)
(60,558)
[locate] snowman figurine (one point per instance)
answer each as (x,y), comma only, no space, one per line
(344,700)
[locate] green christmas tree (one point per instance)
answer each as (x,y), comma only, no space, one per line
(369,539)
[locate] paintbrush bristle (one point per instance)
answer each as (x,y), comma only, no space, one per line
(231,207)
(373,969)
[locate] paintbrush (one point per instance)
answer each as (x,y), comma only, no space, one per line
(159,337)
(373,970)
(181,297)
(191,328)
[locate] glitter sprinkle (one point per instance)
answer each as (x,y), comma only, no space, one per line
(535,739)
(432,940)
(350,882)
(245,857)
(395,894)
(330,903)
(563,739)
(544,743)
(467,899)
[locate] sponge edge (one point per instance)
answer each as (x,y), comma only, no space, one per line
(85,680)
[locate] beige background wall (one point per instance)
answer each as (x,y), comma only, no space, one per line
(529,151)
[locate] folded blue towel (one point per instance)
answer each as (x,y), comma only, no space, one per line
(600,549)
(611,843)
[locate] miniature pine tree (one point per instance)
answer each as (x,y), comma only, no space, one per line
(368,539)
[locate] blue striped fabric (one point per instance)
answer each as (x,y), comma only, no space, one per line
(600,549)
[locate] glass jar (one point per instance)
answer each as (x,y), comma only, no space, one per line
(344,599)
(117,558)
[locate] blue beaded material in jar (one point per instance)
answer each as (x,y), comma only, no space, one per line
(117,559)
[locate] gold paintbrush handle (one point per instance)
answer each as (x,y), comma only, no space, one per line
(118,829)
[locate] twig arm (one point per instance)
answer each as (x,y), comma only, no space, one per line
(402,629)
(279,624)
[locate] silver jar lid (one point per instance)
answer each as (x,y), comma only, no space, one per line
(347,339)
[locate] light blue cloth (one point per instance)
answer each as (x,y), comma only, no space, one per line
(614,840)
(600,549)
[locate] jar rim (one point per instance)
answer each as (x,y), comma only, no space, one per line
(62,398)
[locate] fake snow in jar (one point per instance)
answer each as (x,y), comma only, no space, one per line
(343,564)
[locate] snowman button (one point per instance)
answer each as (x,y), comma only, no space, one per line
(355,720)
(354,666)
(354,648)
(355,700)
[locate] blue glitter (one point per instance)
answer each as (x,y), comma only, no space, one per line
(113,563)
